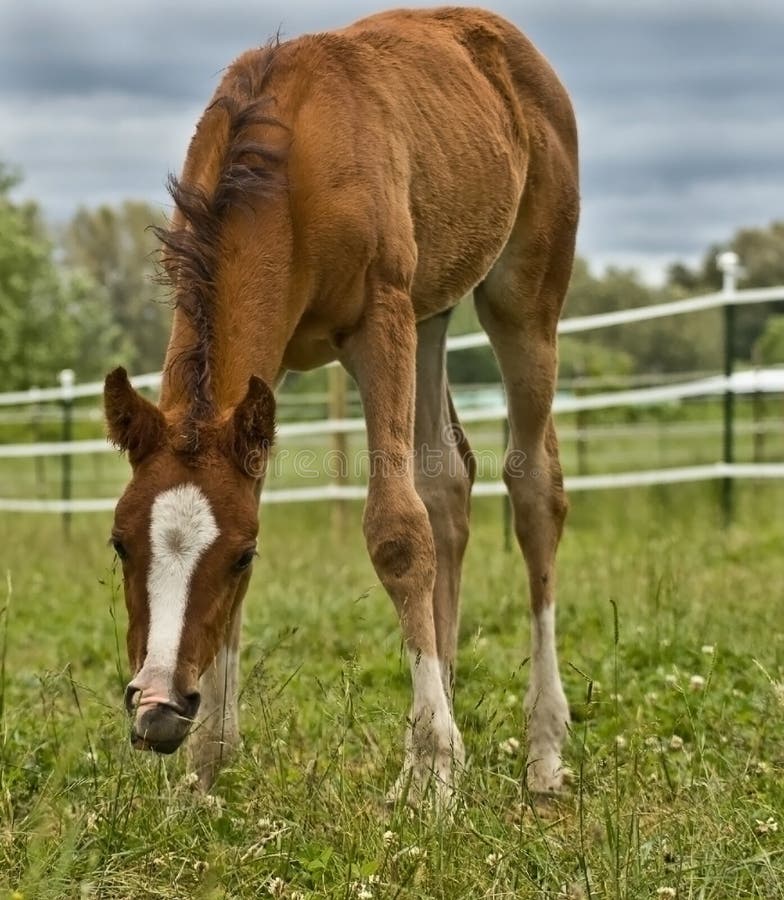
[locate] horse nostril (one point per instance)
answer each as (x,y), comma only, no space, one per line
(131,699)
(192,702)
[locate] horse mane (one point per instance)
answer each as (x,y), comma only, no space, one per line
(243,170)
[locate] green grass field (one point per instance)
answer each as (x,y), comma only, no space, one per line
(677,742)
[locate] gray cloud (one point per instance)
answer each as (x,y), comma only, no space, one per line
(679,104)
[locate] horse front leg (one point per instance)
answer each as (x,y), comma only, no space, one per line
(216,735)
(382,357)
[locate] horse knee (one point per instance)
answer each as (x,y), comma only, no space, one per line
(400,544)
(538,498)
(447,503)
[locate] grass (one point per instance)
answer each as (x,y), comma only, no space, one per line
(672,649)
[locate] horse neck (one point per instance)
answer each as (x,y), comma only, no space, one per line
(255,313)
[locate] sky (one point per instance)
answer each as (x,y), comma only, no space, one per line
(680,105)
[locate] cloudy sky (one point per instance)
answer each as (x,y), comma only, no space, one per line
(680,104)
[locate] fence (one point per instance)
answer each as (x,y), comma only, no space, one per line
(727,386)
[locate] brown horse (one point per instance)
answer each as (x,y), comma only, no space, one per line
(341,193)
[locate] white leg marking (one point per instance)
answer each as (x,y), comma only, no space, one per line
(434,746)
(218,687)
(546,706)
(430,704)
(217,734)
(182,527)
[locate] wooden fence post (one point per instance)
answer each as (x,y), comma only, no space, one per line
(506,500)
(66,378)
(729,265)
(338,409)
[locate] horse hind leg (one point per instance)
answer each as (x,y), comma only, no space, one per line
(444,472)
(520,315)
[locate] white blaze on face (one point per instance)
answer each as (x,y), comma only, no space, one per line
(182,528)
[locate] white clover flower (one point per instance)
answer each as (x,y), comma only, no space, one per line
(492,859)
(571,892)
(696,683)
(211,801)
(389,838)
(190,779)
(676,743)
(276,887)
(708,649)
(767,826)
(652,742)
(269,829)
(669,893)
(671,679)
(413,852)
(620,741)
(510,746)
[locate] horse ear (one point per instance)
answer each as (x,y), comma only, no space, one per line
(252,427)
(135,425)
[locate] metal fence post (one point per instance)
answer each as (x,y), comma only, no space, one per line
(66,378)
(729,265)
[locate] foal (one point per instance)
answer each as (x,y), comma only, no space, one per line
(341,193)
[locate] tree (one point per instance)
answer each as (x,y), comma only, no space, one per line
(761,252)
(662,345)
(769,348)
(49,319)
(117,249)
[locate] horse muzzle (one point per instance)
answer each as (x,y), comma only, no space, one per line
(160,723)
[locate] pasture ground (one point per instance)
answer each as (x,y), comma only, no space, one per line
(677,742)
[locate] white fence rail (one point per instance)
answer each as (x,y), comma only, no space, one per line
(686,474)
(746,382)
(755,381)
(573,325)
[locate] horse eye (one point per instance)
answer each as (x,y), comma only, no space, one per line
(245,560)
(119,549)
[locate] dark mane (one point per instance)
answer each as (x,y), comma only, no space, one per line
(248,169)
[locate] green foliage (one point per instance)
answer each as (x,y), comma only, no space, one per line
(761,251)
(117,249)
(580,358)
(769,348)
(662,345)
(50,318)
